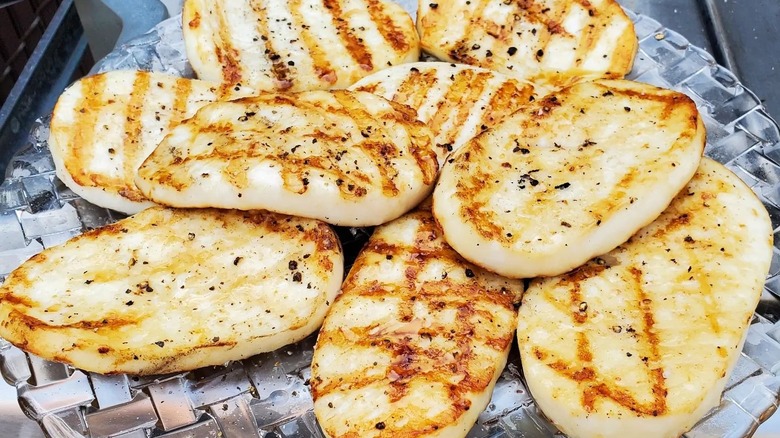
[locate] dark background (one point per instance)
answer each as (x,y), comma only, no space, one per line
(22,25)
(743,35)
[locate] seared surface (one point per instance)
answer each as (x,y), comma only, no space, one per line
(104,126)
(646,335)
(456,101)
(415,342)
(348,158)
(172,290)
(555,42)
(569,177)
(296,45)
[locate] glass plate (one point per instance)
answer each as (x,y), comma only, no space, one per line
(268,395)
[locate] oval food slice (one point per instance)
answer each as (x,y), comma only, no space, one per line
(456,101)
(104,126)
(416,340)
(554,42)
(348,158)
(296,45)
(641,341)
(174,290)
(568,177)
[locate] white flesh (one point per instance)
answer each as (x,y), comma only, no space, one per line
(569,177)
(296,45)
(456,101)
(640,342)
(104,126)
(414,344)
(348,158)
(551,42)
(174,290)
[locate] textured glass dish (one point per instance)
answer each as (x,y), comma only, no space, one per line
(268,395)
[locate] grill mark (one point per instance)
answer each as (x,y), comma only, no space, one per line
(670,100)
(133,134)
(575,298)
(415,88)
(109,323)
(472,189)
(588,38)
(485,218)
(591,382)
(410,358)
(425,83)
(404,354)
(561,303)
(226,54)
(84,128)
(380,152)
(705,287)
(584,352)
(554,24)
(652,342)
(283,80)
(320,63)
(386,26)
(673,224)
(538,14)
(194,23)
(17,300)
(618,199)
(182,91)
(420,255)
(353,44)
(450,102)
(459,51)
(408,88)
(463,107)
(594,388)
(370,88)
(421,146)
(439,291)
(508,98)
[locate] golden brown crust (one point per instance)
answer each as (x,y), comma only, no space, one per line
(573,166)
(318,46)
(104,125)
(350,147)
(650,330)
(456,101)
(173,290)
(581,39)
(444,328)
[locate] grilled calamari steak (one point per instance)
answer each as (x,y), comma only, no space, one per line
(415,342)
(296,45)
(173,290)
(104,126)
(348,158)
(646,336)
(569,177)
(554,42)
(456,101)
